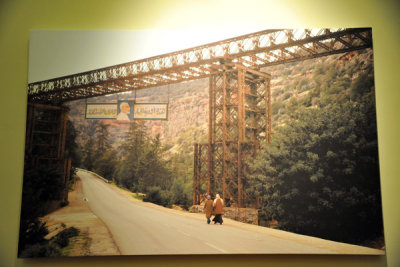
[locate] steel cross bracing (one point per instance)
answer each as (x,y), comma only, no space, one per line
(239,119)
(256,50)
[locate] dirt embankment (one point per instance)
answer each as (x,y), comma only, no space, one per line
(94,237)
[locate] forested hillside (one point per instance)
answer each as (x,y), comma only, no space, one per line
(319,175)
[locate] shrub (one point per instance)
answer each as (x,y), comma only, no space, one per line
(39,186)
(153,195)
(158,196)
(41,250)
(62,238)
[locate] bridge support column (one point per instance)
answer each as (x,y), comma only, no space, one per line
(239,118)
(45,141)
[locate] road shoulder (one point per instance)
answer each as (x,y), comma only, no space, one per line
(94,238)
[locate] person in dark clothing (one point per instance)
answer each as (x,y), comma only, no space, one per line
(208,208)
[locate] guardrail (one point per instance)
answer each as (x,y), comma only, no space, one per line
(95,174)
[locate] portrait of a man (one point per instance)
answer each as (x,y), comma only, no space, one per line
(124,112)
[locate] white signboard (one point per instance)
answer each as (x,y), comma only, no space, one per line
(150,111)
(101,111)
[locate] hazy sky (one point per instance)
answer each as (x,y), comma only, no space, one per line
(54,54)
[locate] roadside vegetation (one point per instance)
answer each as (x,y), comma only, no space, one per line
(320,175)
(41,193)
(53,247)
(139,165)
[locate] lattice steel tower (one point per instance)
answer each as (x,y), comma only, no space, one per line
(239,118)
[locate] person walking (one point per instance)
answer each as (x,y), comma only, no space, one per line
(208,207)
(218,205)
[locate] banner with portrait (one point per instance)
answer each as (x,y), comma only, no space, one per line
(126,110)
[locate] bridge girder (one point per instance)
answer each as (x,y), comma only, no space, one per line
(254,51)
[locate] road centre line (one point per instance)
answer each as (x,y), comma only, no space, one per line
(186,234)
(215,247)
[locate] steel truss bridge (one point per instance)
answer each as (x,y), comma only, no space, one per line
(256,50)
(239,94)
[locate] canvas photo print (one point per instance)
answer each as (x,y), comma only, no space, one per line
(201,142)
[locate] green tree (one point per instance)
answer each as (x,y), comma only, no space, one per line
(153,169)
(142,165)
(276,106)
(102,138)
(361,86)
(106,164)
(72,149)
(321,174)
(131,157)
(182,185)
(89,154)
(105,156)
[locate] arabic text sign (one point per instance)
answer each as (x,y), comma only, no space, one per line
(150,111)
(101,111)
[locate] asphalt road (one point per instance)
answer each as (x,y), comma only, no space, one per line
(142,229)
